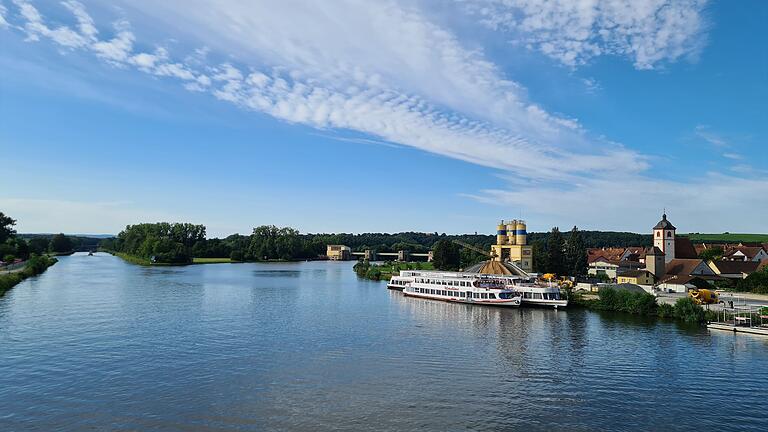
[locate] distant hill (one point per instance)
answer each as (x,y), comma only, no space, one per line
(98,236)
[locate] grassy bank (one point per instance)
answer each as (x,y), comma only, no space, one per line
(728,238)
(35,266)
(212,260)
(644,304)
(132,258)
(384,271)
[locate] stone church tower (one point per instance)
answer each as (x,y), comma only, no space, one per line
(664,238)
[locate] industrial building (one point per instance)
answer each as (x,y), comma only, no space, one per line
(338,252)
(512,244)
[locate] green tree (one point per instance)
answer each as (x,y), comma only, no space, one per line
(446,255)
(711,254)
(540,256)
(6,227)
(38,245)
(575,254)
(61,243)
(555,247)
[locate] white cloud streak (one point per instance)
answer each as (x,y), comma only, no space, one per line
(707,204)
(573,32)
(387,71)
(411,84)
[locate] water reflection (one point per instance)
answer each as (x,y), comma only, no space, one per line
(95,343)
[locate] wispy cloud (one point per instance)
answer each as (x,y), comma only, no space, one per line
(386,71)
(636,199)
(411,82)
(648,32)
(705,132)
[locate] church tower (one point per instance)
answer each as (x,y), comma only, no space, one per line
(664,238)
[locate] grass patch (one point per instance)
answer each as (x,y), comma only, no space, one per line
(133,259)
(727,237)
(211,260)
(35,266)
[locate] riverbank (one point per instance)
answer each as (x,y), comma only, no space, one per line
(133,259)
(644,304)
(35,266)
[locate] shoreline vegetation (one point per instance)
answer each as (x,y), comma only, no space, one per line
(36,265)
(644,304)
(384,271)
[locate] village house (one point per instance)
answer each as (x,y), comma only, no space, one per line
(734,269)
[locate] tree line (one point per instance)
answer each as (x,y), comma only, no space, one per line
(15,247)
(552,253)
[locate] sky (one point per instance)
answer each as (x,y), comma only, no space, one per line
(384,116)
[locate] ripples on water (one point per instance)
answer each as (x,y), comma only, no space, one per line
(98,343)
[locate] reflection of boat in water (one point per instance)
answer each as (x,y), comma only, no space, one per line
(457,287)
(462,287)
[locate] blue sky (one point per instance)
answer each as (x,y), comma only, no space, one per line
(355,116)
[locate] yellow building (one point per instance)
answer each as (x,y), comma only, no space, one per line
(512,244)
(637,277)
(338,252)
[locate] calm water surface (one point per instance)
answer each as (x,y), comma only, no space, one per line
(95,343)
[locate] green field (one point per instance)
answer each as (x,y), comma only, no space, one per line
(727,238)
(211,260)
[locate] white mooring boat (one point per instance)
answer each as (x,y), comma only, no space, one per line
(476,288)
(457,287)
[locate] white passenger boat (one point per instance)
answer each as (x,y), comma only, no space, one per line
(531,294)
(458,287)
(540,295)
(398,282)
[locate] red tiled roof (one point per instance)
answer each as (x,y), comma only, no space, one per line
(684,248)
(608,254)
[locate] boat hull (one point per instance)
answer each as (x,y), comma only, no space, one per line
(545,303)
(514,302)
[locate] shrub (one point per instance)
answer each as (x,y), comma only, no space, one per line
(9,258)
(687,310)
(373,273)
(665,310)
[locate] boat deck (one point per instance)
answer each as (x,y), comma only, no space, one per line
(763,331)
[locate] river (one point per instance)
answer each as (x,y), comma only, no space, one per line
(96,343)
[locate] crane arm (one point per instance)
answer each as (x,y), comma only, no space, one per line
(474,248)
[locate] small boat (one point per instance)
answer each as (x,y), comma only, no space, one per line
(540,295)
(90,253)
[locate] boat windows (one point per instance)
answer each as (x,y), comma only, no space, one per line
(537,295)
(491,295)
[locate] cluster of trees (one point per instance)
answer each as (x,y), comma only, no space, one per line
(757,282)
(13,246)
(179,243)
(161,242)
(561,255)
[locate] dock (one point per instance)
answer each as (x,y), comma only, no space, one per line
(738,329)
(742,318)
